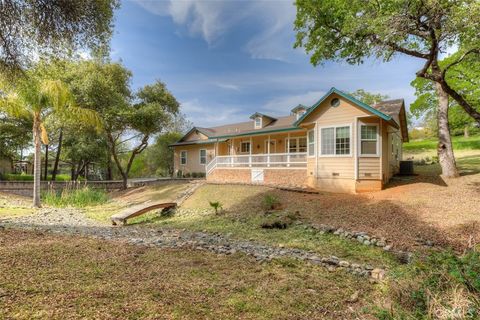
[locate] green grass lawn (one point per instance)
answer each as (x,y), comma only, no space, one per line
(459,143)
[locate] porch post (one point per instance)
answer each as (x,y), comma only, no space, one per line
(232,152)
(250,156)
(288,149)
(268,151)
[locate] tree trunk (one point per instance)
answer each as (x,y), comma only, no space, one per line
(57,156)
(445,149)
(466,134)
(45,170)
(37,164)
(109,167)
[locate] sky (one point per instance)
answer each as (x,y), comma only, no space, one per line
(225,60)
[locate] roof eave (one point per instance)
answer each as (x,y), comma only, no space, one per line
(348,97)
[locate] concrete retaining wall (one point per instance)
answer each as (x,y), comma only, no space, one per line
(25,188)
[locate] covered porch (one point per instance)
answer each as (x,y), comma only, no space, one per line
(280,150)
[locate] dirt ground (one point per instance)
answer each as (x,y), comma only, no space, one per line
(409,211)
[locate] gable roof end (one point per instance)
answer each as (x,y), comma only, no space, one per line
(349,98)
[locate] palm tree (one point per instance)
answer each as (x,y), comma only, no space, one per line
(38,100)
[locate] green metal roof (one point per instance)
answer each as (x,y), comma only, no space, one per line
(206,141)
(348,97)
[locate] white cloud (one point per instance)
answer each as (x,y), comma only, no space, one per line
(283,105)
(228,86)
(208,19)
(210,115)
(213,19)
(275,40)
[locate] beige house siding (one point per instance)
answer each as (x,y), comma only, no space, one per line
(336,167)
(193,157)
(195,135)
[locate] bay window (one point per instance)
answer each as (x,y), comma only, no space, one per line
(311,143)
(335,141)
(369,139)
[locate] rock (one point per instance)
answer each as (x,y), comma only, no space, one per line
(387,247)
(378,274)
(354,297)
(367,242)
(344,264)
(380,243)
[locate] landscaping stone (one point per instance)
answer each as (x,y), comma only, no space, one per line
(74,222)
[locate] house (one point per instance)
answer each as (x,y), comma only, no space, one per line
(338,144)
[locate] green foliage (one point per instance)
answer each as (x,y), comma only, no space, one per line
(463,77)
(442,284)
(368,97)
(71,196)
(53,28)
(270,202)
(216,205)
(355,29)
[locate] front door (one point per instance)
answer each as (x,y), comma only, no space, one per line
(273,146)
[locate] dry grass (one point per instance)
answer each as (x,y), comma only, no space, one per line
(123,199)
(54,277)
(14,206)
(426,206)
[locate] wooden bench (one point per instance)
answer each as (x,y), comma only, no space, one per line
(135,211)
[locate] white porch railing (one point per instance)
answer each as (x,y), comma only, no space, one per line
(272,160)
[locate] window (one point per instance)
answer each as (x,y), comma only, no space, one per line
(300,114)
(245,147)
(342,140)
(311,143)
(297,145)
(368,139)
(335,141)
(258,122)
(183,157)
(328,141)
(292,146)
(203,156)
(302,144)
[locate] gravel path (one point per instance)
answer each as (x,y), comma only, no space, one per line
(74,222)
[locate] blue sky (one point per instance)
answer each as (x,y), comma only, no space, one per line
(225,60)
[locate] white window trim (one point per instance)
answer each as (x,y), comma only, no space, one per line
(249,149)
(186,157)
(334,155)
(359,140)
(255,123)
(200,157)
(287,143)
(314,144)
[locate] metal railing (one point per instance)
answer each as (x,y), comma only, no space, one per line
(272,160)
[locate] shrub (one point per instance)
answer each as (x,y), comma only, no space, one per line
(270,202)
(216,205)
(75,197)
(187,175)
(201,174)
(179,174)
(194,174)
